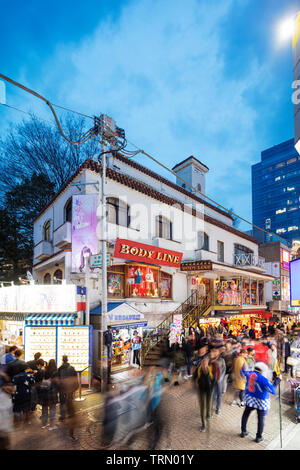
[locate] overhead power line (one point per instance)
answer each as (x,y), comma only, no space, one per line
(129,154)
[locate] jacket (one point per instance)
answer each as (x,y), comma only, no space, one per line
(257,390)
(239,380)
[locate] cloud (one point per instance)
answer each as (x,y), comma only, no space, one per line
(160,70)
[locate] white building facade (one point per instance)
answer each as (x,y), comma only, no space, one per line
(216,259)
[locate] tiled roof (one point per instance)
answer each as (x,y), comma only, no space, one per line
(183,161)
(169,183)
(150,192)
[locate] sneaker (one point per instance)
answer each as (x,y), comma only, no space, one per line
(242,404)
(51,428)
(259,439)
(218,412)
(176,383)
(234,403)
(46,425)
(244,434)
(202,428)
(189,376)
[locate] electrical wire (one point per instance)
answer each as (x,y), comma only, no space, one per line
(94,131)
(37,95)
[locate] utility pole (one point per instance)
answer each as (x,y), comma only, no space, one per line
(110,134)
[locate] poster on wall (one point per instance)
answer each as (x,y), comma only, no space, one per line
(47,299)
(84,229)
(175,330)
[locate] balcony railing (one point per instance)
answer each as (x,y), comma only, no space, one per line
(249,259)
(43,250)
(63,235)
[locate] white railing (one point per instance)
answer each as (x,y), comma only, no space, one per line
(248,259)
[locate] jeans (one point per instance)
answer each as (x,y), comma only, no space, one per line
(188,364)
(48,412)
(239,394)
(136,359)
(205,399)
(66,405)
(261,420)
(217,394)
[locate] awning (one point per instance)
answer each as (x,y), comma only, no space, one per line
(13,316)
(128,325)
(50,319)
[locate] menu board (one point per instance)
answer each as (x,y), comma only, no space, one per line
(74,343)
(41,340)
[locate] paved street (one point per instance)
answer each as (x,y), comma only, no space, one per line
(182,429)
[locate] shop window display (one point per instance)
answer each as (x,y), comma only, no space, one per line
(142,281)
(116,281)
(228,292)
(165,285)
(254,292)
(246,293)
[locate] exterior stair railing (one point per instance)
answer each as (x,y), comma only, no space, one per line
(162,330)
(196,312)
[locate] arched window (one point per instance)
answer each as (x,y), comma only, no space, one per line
(118,212)
(47,279)
(163,227)
(47,231)
(203,241)
(68,211)
(57,276)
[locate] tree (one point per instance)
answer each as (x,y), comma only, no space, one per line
(21,205)
(35,146)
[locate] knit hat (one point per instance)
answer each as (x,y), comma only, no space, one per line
(262,368)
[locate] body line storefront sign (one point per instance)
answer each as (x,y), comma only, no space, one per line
(134,251)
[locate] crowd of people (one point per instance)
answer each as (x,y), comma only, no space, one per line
(36,384)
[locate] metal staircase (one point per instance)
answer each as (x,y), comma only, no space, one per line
(191,310)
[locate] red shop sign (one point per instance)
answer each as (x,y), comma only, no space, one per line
(146,253)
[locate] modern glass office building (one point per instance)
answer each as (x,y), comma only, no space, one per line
(276,193)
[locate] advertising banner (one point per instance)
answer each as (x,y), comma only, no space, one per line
(175,330)
(84,229)
(296,78)
(295,282)
(285,259)
(134,251)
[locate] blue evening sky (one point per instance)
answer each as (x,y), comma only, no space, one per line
(183,77)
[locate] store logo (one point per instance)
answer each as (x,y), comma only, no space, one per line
(137,251)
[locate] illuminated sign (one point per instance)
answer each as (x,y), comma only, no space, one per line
(39,299)
(285,259)
(295,282)
(146,253)
(196,266)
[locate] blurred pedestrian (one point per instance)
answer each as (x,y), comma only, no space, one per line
(204,378)
(219,373)
(227,355)
(8,357)
(257,398)
(47,386)
(252,333)
(6,411)
(68,384)
(33,364)
(17,365)
(287,354)
(250,358)
(21,399)
(239,380)
(188,347)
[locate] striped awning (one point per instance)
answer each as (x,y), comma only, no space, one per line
(50,319)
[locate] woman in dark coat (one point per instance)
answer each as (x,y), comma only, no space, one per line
(47,394)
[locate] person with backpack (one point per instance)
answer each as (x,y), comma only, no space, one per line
(257,398)
(46,384)
(68,384)
(204,378)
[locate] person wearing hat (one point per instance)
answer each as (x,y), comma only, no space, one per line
(257,391)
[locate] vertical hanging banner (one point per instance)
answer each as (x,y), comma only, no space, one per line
(175,330)
(84,229)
